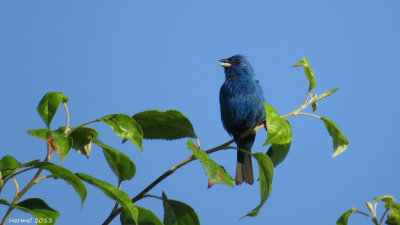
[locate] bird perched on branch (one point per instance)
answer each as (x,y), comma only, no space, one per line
(241,102)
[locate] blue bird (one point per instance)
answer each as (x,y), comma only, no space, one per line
(241,102)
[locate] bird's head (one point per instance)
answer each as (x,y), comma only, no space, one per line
(237,65)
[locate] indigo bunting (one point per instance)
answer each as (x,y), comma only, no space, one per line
(241,103)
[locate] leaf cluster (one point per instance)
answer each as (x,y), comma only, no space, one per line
(392,210)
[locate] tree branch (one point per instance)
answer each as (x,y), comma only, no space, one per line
(142,194)
(34,181)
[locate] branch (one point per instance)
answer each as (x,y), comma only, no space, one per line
(20,194)
(67,120)
(363,213)
(383,216)
(142,194)
(153,196)
(305,104)
(305,101)
(42,178)
(16,187)
(373,218)
(10,176)
(81,125)
(34,181)
(294,113)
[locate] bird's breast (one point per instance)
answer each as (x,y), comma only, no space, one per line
(241,105)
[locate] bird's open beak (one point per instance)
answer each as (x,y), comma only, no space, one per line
(225,63)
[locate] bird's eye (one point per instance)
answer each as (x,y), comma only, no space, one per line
(237,61)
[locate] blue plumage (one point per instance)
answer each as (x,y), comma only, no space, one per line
(241,103)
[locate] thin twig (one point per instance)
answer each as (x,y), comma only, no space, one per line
(383,216)
(259,127)
(20,194)
(15,174)
(26,188)
(306,114)
(42,178)
(116,203)
(152,196)
(308,95)
(363,213)
(373,218)
(81,125)
(67,115)
(16,187)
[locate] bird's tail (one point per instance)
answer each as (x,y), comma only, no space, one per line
(244,167)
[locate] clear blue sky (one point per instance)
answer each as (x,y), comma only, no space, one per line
(130,56)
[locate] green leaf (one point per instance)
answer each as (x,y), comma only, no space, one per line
(7,165)
(279,130)
(277,153)
(369,206)
(315,98)
(394,216)
(308,71)
(125,127)
(344,218)
(146,217)
(178,213)
(38,208)
(65,174)
(266,169)
(41,133)
(385,198)
(4,202)
(48,106)
(168,125)
(82,139)
(340,142)
(62,143)
(121,164)
(114,193)
(216,174)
